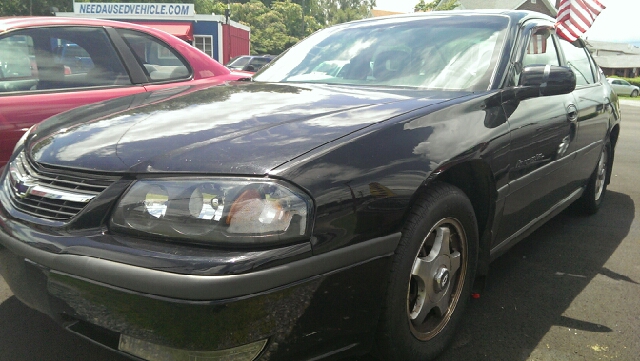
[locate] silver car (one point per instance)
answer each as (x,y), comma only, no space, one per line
(622,87)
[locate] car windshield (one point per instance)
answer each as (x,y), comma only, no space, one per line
(456,52)
(259,61)
(239,62)
(73,50)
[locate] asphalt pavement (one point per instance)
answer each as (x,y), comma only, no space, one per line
(570,291)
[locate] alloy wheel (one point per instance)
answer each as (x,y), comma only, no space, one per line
(601,175)
(437,279)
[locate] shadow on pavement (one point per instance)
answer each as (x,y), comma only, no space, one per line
(533,284)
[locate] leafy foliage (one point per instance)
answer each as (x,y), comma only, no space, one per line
(33,7)
(340,11)
(436,5)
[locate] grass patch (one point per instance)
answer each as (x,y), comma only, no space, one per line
(628,97)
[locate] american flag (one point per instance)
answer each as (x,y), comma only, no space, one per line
(538,44)
(576,16)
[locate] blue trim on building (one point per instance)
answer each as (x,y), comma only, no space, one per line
(208,28)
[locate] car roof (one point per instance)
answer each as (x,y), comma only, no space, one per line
(516,16)
(12,23)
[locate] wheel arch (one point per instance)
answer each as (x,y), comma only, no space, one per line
(475,179)
(613,135)
(613,140)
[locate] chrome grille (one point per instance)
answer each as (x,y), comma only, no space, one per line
(50,193)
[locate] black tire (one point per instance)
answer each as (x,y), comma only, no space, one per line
(634,93)
(406,331)
(597,187)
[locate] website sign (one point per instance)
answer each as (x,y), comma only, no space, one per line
(120,9)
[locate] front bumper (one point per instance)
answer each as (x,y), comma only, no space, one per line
(329,302)
(106,314)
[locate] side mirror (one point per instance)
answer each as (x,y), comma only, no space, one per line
(545,80)
(249,68)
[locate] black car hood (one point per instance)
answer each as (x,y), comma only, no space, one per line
(232,129)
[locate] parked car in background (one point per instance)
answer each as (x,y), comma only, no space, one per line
(49,65)
(622,87)
(76,58)
(249,63)
(312,213)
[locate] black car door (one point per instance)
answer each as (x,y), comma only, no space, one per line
(593,106)
(542,133)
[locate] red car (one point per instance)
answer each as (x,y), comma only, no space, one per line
(49,65)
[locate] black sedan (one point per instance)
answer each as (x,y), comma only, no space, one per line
(307,215)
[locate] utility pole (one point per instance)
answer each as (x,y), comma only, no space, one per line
(304,25)
(227,12)
(227,15)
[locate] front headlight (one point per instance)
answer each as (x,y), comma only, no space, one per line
(223,211)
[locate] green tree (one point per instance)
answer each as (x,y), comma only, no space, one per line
(33,7)
(436,5)
(314,9)
(270,35)
(311,25)
(291,16)
(340,11)
(273,29)
(205,7)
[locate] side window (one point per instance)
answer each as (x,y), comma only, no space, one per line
(17,63)
(72,55)
(595,69)
(578,60)
(204,43)
(259,63)
(541,50)
(59,58)
(159,61)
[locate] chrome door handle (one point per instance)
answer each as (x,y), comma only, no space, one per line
(572,113)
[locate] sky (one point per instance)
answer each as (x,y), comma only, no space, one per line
(614,24)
